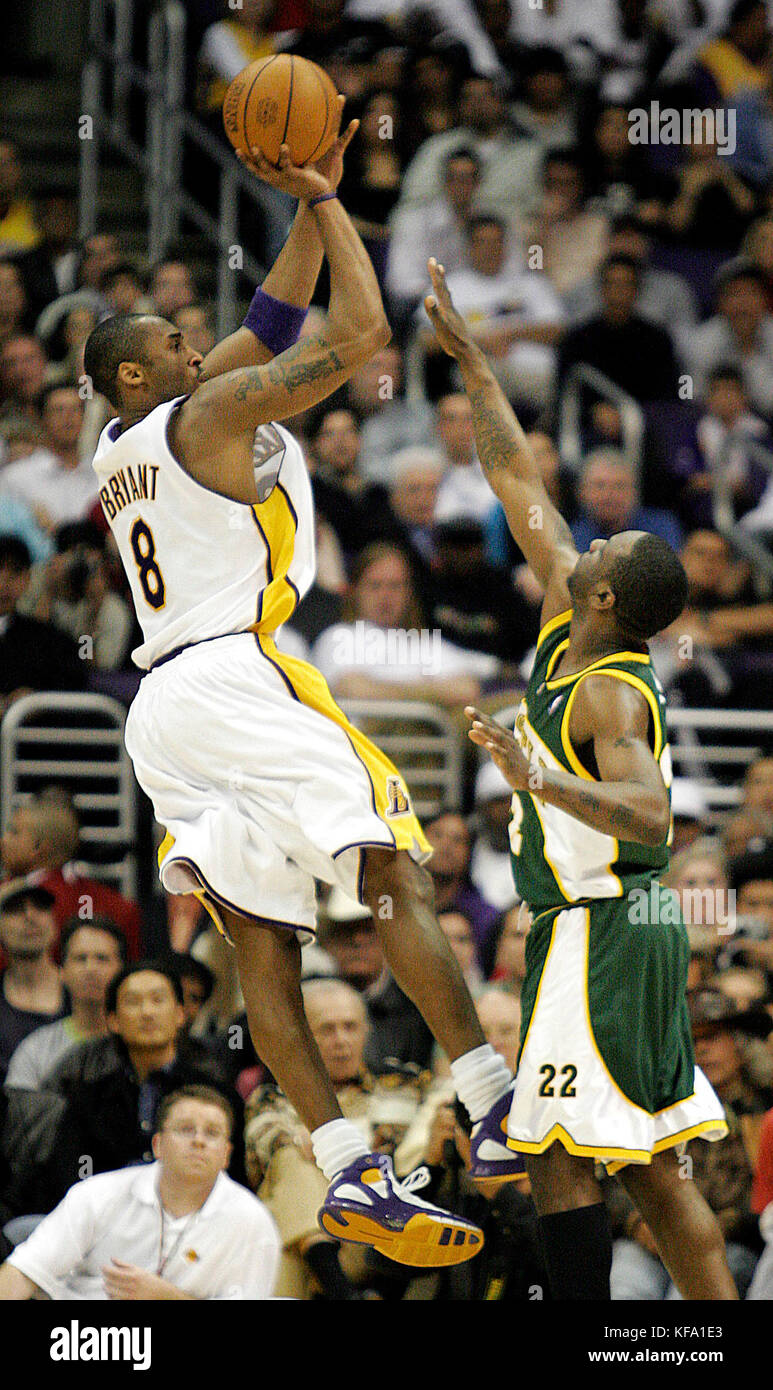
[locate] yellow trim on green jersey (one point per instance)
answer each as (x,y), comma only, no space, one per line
(553,623)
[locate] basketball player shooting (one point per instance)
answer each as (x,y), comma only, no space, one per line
(258,778)
(606,1071)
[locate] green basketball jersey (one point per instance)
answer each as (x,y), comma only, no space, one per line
(556,858)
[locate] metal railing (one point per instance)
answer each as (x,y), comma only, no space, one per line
(571,444)
(723,508)
(110,78)
(76,741)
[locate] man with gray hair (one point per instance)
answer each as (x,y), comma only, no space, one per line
(610,501)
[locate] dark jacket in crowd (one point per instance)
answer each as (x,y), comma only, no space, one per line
(87,1119)
(39,656)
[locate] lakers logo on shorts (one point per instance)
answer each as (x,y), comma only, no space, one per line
(397,799)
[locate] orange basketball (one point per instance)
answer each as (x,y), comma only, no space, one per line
(282,100)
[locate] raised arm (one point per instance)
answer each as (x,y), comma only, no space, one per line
(505,454)
(630,801)
(216,425)
(293,277)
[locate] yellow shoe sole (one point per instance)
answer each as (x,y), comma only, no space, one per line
(423,1242)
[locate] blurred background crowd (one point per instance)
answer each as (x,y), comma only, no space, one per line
(623,292)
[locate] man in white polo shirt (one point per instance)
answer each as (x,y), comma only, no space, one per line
(178,1228)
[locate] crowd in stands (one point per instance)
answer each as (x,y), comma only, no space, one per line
(623,292)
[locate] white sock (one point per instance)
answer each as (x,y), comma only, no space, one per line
(336,1145)
(481,1077)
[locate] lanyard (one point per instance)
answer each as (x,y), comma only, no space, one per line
(163,1260)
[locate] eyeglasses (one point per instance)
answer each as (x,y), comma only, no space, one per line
(190,1131)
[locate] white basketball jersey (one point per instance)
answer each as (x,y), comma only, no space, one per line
(199,564)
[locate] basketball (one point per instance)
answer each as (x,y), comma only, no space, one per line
(282,100)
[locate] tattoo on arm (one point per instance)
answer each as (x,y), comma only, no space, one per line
(494,436)
(286,372)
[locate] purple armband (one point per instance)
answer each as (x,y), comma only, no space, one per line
(321,198)
(278,325)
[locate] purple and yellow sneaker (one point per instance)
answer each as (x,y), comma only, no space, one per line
(491,1161)
(368,1205)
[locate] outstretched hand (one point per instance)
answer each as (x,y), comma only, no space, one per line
(501,745)
(304,181)
(450,328)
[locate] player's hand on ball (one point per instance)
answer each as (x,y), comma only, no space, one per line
(331,165)
(500,744)
(301,182)
(450,328)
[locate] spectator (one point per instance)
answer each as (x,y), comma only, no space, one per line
(762,1202)
(92,954)
(473,604)
(506,951)
(72,590)
(662,297)
(48,268)
(621,180)
(439,229)
(23,375)
(464,491)
(241,37)
(500,1016)
(698,875)
(451,841)
(416,476)
(197,982)
(370,186)
(171,288)
(609,502)
(381,650)
(33,655)
(744,985)
(63,329)
(388,422)
(458,933)
(514,314)
(726,435)
(125,1076)
(31,991)
(41,842)
(735,59)
(751,876)
(397,1031)
(279,1149)
(739,334)
(178,1228)
(13,302)
(19,520)
(56,481)
(356,509)
(195,320)
(491,865)
(712,206)
(100,254)
(572,238)
(510,173)
(758,786)
(124,289)
(545,109)
(18,231)
(632,352)
(724,1171)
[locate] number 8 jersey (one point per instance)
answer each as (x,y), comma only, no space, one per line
(199,564)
